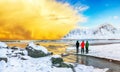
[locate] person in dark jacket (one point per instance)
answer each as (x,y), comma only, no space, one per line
(87,46)
(77,47)
(82,47)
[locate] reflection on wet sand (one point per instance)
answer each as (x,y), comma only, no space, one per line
(56,48)
(76,59)
(18,44)
(90,61)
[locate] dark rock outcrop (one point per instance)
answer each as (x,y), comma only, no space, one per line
(58,62)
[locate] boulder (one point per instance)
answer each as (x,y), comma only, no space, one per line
(36,51)
(4,59)
(57,61)
(14,48)
(65,65)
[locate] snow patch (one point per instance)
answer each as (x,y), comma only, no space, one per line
(56,56)
(37,47)
(2,44)
(83,68)
(3,53)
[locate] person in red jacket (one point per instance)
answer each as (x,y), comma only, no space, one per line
(82,47)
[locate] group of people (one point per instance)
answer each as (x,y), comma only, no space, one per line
(83,45)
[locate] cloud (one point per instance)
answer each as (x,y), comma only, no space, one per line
(115,17)
(36,19)
(82,8)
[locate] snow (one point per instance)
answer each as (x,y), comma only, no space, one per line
(3,50)
(3,53)
(3,45)
(62,70)
(104,31)
(42,64)
(2,65)
(100,70)
(83,68)
(37,47)
(110,51)
(56,56)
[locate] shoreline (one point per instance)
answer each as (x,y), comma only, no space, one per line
(107,59)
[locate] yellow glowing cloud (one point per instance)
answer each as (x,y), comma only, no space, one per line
(36,19)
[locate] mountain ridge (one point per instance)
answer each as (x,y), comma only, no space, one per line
(103,31)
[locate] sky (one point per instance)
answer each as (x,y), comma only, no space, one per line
(53,19)
(36,19)
(97,11)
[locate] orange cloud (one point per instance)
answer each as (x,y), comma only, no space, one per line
(36,19)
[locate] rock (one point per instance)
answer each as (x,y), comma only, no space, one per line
(37,47)
(16,52)
(65,65)
(23,58)
(35,53)
(4,59)
(58,62)
(14,48)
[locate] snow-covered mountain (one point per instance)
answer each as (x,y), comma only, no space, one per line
(104,31)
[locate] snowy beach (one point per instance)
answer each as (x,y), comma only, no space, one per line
(110,51)
(19,60)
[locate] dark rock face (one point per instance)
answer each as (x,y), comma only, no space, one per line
(14,48)
(106,27)
(65,65)
(4,59)
(58,62)
(22,58)
(35,53)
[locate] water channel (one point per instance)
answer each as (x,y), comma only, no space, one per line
(86,60)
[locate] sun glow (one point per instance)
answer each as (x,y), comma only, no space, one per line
(36,19)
